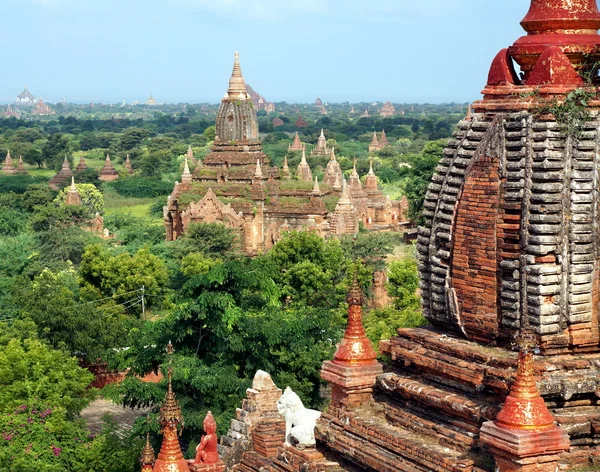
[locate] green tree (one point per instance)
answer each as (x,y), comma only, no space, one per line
(91,198)
(55,150)
(209,238)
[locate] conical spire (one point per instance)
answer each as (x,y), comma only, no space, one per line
(147,458)
(524,408)
(374,141)
(21,166)
(303,160)
(190,153)
(82,165)
(73,188)
(66,165)
(371,167)
(186,176)
(383,142)
(170,456)
(322,133)
(337,185)
(237,85)
(355,348)
(469,115)
(8,167)
(345,197)
(332,154)
(127,165)
(316,190)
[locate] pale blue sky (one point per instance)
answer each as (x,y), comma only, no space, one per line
(292,50)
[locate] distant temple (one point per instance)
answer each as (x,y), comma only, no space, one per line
(11,112)
(277,122)
(387,109)
(8,167)
(366,114)
(25,98)
(64,175)
(236,186)
(151,101)
(296,145)
(321,148)
(378,143)
(260,102)
(300,123)
(41,109)
(318,102)
(108,172)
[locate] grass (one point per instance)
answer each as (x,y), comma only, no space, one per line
(117,204)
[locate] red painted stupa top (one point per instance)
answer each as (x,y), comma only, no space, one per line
(355,348)
(561,46)
(524,408)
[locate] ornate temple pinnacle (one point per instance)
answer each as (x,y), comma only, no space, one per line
(147,455)
(170,412)
(237,85)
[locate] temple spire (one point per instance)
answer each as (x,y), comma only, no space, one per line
(237,86)
(170,456)
(316,190)
(186,176)
(147,458)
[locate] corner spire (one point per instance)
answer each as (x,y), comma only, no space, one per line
(147,458)
(316,189)
(258,171)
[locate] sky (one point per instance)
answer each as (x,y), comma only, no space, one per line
(407,51)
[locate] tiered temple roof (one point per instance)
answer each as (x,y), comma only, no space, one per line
(128,166)
(82,165)
(21,166)
(296,144)
(236,186)
(62,177)
(42,109)
(108,172)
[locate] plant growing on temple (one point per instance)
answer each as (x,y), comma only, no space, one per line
(91,197)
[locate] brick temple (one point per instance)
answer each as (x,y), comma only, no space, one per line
(236,186)
(506,378)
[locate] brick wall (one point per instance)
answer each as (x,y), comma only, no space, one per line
(474,276)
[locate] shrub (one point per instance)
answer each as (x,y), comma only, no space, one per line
(19,183)
(142,187)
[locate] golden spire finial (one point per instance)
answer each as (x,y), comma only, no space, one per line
(170,412)
(147,457)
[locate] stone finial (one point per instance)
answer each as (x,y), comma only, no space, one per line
(300,422)
(186,176)
(383,142)
(21,166)
(190,153)
(316,190)
(66,165)
(237,86)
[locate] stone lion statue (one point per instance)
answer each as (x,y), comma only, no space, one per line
(300,422)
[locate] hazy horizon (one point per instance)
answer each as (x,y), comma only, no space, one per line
(181,51)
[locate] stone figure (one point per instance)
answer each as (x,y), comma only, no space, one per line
(299,421)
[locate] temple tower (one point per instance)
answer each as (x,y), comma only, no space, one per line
(170,457)
(108,172)
(21,166)
(128,166)
(63,176)
(8,167)
(321,148)
(296,144)
(333,171)
(303,172)
(73,197)
(82,165)
(236,141)
(526,180)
